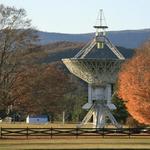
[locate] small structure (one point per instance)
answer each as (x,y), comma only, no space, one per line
(7,119)
(37,119)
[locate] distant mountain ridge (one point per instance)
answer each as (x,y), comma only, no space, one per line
(123,38)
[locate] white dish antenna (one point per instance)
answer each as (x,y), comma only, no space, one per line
(100,74)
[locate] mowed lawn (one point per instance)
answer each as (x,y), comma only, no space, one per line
(80,143)
(46,125)
(106,143)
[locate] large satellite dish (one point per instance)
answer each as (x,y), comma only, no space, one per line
(100,72)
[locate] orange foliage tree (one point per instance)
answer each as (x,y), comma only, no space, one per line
(134,84)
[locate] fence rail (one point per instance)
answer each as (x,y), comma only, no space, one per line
(77,132)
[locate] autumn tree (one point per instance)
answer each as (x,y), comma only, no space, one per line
(134,84)
(41,90)
(16,38)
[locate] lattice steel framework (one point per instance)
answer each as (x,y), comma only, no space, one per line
(100,74)
(94,71)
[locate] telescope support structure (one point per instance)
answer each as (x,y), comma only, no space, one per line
(99,112)
(99,106)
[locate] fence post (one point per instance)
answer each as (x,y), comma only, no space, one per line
(129,132)
(51,133)
(27,134)
(103,132)
(1,133)
(77,129)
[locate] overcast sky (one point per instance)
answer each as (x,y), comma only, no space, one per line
(79,16)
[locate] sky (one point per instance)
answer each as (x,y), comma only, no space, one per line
(79,16)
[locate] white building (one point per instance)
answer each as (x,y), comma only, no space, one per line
(37,119)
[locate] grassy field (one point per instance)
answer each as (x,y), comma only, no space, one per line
(96,143)
(47,125)
(106,143)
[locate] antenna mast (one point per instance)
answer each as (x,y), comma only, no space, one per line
(100,28)
(100,39)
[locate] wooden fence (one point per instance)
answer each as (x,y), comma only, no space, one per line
(76,132)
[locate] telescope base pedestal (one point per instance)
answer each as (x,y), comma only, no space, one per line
(99,112)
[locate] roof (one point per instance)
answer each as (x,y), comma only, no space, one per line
(37,116)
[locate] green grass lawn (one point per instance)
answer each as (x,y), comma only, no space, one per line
(46,125)
(80,143)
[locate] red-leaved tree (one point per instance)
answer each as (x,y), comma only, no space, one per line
(134,84)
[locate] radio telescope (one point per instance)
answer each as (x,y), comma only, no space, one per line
(100,72)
